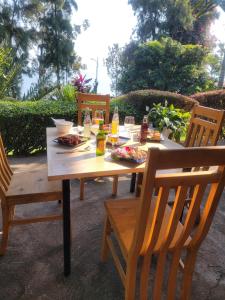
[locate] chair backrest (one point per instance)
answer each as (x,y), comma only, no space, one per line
(93,102)
(5,171)
(149,223)
(205,126)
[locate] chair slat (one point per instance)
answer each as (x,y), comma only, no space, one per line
(93,102)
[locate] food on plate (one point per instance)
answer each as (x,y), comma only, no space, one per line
(129,153)
(70,139)
(154,135)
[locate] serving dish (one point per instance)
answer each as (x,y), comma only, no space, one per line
(71,140)
(130,154)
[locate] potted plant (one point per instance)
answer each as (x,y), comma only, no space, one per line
(169,120)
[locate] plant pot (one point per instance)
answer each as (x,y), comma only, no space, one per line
(166,132)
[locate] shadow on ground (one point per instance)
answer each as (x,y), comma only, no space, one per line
(33,265)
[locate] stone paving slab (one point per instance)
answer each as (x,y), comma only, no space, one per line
(32,267)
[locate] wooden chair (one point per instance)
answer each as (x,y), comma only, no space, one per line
(94,102)
(148,226)
(203,130)
(23,188)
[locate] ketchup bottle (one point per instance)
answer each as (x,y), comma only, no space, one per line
(144,130)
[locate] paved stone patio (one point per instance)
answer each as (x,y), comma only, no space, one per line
(33,265)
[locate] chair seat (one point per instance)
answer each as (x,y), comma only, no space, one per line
(33,185)
(123,215)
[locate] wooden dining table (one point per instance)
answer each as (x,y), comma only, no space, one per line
(66,163)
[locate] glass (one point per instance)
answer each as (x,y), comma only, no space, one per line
(129,122)
(98,116)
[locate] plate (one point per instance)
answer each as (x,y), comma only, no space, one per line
(130,154)
(121,141)
(71,140)
(152,139)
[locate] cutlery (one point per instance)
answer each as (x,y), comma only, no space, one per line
(75,150)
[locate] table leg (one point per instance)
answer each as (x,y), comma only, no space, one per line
(66,226)
(133,182)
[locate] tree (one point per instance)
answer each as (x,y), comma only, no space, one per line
(113,66)
(187,21)
(165,65)
(57,37)
(17,32)
(8,71)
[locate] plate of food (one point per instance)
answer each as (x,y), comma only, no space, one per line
(115,141)
(131,154)
(154,136)
(71,140)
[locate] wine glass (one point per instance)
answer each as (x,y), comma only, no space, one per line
(129,122)
(98,116)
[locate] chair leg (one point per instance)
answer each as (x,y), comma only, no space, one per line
(132,182)
(130,280)
(144,276)
(139,182)
(82,189)
(115,185)
(5,229)
(105,247)
(188,273)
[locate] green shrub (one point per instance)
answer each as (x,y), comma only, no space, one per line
(23,123)
(214,99)
(135,103)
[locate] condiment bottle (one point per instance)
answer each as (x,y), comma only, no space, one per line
(144,130)
(100,140)
(115,122)
(87,124)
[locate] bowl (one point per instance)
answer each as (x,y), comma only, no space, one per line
(64,127)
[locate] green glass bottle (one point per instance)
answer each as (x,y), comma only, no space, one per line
(100,140)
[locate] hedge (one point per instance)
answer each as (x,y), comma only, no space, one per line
(23,123)
(214,99)
(135,102)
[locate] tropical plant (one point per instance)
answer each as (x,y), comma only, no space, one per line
(169,117)
(57,35)
(17,32)
(187,21)
(8,71)
(67,93)
(81,84)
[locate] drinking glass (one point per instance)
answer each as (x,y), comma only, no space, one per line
(98,116)
(129,122)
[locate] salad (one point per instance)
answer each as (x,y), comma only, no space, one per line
(130,154)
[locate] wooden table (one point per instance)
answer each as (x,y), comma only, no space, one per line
(85,164)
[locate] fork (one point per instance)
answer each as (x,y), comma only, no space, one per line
(75,150)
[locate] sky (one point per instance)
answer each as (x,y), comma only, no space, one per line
(110,22)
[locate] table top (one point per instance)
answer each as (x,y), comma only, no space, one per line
(83,163)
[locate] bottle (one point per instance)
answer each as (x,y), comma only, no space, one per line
(144,130)
(115,122)
(100,140)
(87,124)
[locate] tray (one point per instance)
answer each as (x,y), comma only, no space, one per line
(130,154)
(71,140)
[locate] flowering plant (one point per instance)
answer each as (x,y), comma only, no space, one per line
(81,84)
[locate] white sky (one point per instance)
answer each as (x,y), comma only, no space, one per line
(110,22)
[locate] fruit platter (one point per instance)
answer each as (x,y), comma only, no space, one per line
(131,154)
(71,140)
